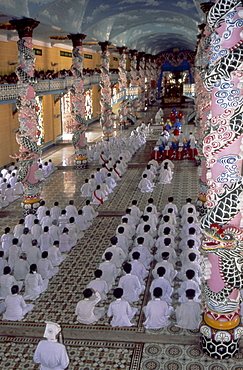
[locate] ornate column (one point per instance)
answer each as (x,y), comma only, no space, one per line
(142,79)
(148,77)
(105,100)
(154,79)
(78,103)
(222,147)
(122,80)
(28,132)
(134,78)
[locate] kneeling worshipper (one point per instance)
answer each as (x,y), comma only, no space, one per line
(99,285)
(145,185)
(50,354)
(16,308)
(89,212)
(165,175)
(120,310)
(131,285)
(34,284)
(7,281)
(188,314)
(98,197)
(157,312)
(86,311)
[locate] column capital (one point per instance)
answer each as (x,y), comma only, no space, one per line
(77,39)
(121,49)
(133,52)
(24,26)
(104,45)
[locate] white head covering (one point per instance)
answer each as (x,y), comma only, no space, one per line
(51,330)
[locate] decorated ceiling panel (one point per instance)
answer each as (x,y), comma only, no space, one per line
(152,26)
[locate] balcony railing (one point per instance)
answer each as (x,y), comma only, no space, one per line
(10,92)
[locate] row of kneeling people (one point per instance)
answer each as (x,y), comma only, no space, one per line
(133,249)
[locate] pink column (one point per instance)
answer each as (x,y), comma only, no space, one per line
(122,80)
(142,79)
(79,122)
(222,148)
(28,132)
(134,77)
(105,100)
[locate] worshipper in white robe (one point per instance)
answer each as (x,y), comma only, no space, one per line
(86,311)
(164,224)
(86,190)
(109,270)
(145,256)
(172,217)
(99,285)
(118,255)
(138,268)
(45,267)
(41,211)
(16,308)
(153,218)
(45,240)
(63,220)
(65,241)
(189,284)
(105,189)
(54,230)
(4,171)
(25,240)
(128,231)
(110,182)
(160,242)
(6,239)
(151,204)
(93,182)
(165,175)
(9,196)
(88,211)
(51,167)
(55,211)
(149,173)
(190,255)
(54,254)
(145,185)
(192,236)
(81,221)
(120,310)
(172,254)
(154,163)
(34,284)
(7,281)
(162,283)
(46,220)
(170,164)
(18,188)
(3,262)
(13,253)
(49,353)
(104,171)
(130,284)
(170,272)
(29,220)
(148,242)
(19,228)
(13,180)
(71,209)
(157,312)
(130,219)
(190,266)
(122,240)
(185,207)
(33,253)
(185,229)
(98,196)
(170,204)
(21,267)
(187,213)
(36,229)
(188,314)
(74,231)
(98,176)
(146,221)
(135,211)
(45,169)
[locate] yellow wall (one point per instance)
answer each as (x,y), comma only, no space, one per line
(9,53)
(8,144)
(96,100)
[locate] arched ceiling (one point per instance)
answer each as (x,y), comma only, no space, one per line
(152,26)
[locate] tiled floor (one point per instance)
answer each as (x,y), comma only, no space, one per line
(100,346)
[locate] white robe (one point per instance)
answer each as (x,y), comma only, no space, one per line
(16,308)
(51,355)
(46,269)
(36,231)
(55,256)
(33,255)
(89,212)
(165,176)
(86,190)
(131,287)
(189,284)
(21,269)
(157,313)
(109,272)
(164,284)
(121,313)
(188,315)
(118,255)
(86,311)
(34,286)
(100,286)
(82,222)
(145,186)
(6,283)
(55,212)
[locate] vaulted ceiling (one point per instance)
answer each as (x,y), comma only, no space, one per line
(152,26)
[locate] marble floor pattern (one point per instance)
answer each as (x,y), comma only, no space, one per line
(100,346)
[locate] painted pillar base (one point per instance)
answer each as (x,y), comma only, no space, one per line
(218,349)
(80,162)
(30,206)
